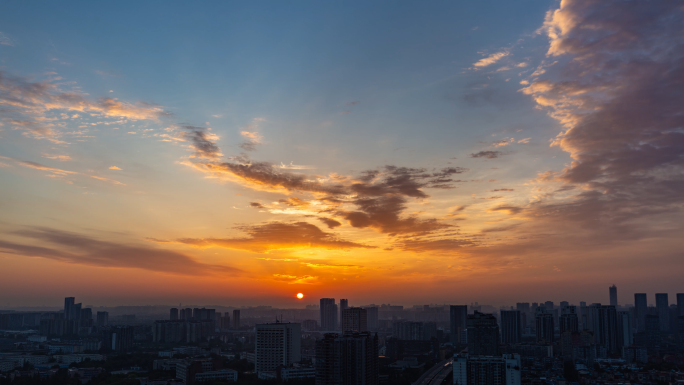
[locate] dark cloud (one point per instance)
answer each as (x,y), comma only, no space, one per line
(202,141)
(502,189)
(80,249)
(618,87)
(257,205)
(331,223)
(277,235)
(487,154)
(508,209)
(434,246)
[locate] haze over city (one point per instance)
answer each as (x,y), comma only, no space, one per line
(237,154)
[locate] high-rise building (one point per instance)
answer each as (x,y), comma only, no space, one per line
(613,296)
(68,307)
(372,313)
(236,319)
(408,330)
(602,320)
(173,314)
(549,306)
(625,332)
(568,319)
(350,359)
(87,314)
(328,310)
(458,315)
(483,334)
(344,304)
(663,308)
(680,304)
(652,329)
(544,322)
(640,310)
(511,326)
(102,318)
(277,344)
(485,370)
(355,319)
(564,304)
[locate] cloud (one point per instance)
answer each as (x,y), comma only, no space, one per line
(114,168)
(331,223)
(352,103)
(507,209)
(257,205)
(24,103)
(503,142)
(57,157)
(6,40)
(502,189)
(203,141)
(487,154)
(80,249)
(526,140)
(616,86)
(491,59)
(57,171)
(276,236)
(252,138)
(434,246)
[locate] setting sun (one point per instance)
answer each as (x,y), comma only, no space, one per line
(300,295)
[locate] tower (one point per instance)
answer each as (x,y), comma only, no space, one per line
(613,296)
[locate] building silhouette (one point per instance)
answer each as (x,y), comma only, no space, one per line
(277,344)
(372,314)
(173,314)
(663,308)
(545,325)
(483,334)
(613,295)
(486,370)
(344,304)
(236,319)
(680,304)
(348,359)
(640,310)
(328,310)
(511,326)
(355,319)
(458,315)
(569,319)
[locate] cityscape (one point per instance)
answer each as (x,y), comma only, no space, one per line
(326,192)
(340,342)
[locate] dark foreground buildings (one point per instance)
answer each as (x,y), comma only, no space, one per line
(348,359)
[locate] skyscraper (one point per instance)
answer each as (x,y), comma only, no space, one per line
(568,319)
(328,310)
(545,325)
(511,326)
(625,333)
(663,308)
(236,319)
(483,335)
(277,344)
(68,307)
(613,296)
(602,320)
(355,319)
(344,304)
(350,359)
(482,370)
(458,321)
(680,304)
(173,314)
(640,310)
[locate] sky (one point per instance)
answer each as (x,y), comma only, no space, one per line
(238,153)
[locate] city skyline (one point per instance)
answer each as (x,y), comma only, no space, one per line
(383,153)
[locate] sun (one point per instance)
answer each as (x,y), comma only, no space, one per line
(300,295)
